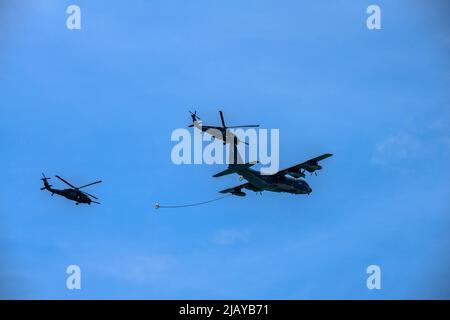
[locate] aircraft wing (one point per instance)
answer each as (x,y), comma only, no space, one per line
(237,191)
(310,165)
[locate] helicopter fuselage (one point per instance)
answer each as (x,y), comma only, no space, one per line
(217,132)
(71,194)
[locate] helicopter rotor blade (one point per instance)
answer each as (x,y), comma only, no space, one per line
(246,126)
(88,194)
(66,182)
(44,177)
(221,118)
(89,184)
(194,115)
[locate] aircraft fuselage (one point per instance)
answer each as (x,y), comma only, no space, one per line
(274,183)
(71,194)
(218,133)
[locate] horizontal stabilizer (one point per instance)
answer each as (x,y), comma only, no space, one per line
(232,168)
(223,173)
(237,191)
(243,165)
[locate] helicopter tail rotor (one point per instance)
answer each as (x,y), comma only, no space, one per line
(194,117)
(45,180)
(44,177)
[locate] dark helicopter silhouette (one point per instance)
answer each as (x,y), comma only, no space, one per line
(74,193)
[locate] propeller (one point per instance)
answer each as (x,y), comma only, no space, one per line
(78,188)
(243,126)
(89,184)
(246,126)
(88,194)
(194,116)
(44,178)
(222,119)
(68,183)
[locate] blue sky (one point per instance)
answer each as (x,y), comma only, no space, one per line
(101,103)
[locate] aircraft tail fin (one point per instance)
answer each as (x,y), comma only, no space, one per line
(235,164)
(233,168)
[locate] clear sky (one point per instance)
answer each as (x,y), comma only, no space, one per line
(102,102)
